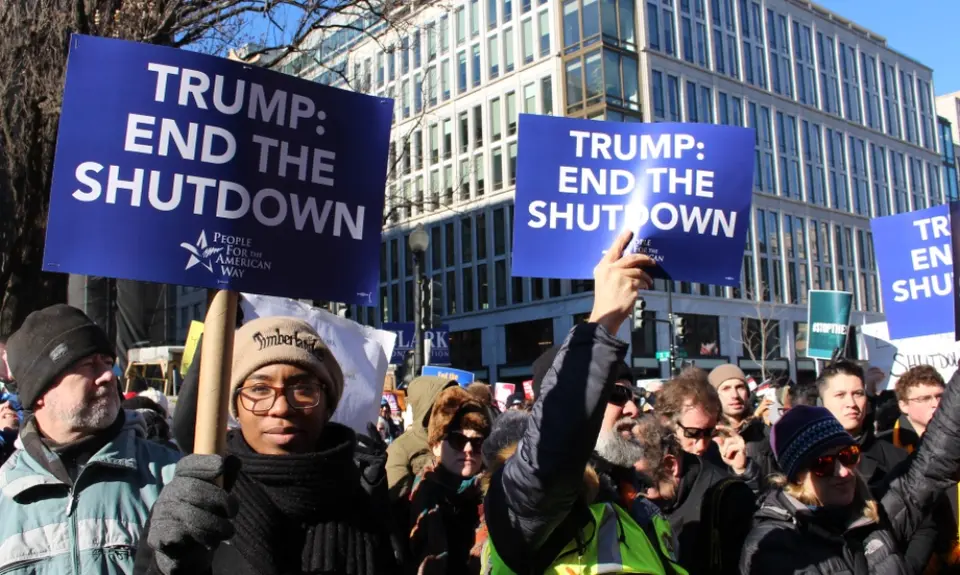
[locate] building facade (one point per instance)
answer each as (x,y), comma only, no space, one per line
(845,126)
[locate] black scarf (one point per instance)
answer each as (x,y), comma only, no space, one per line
(306,513)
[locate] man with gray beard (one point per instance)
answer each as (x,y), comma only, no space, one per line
(78,489)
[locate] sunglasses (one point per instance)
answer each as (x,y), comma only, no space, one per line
(620,395)
(459,441)
(826,465)
(698,433)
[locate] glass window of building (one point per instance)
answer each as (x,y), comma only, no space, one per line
(788,147)
(475,64)
(461,16)
(507,10)
(493,56)
(526,37)
(479,173)
(574,79)
(544,24)
(826,52)
(508,62)
(763,167)
(435,195)
(901,200)
(461,72)
(417,94)
(512,163)
(778,43)
(449,185)
(530,99)
(656,86)
(443,31)
(918,195)
(466,349)
(813,159)
(495,119)
(909,108)
(926,114)
(837,164)
(496,161)
(701,335)
(859,176)
(881,193)
(673,98)
(871,90)
(491,14)
(852,101)
(571,25)
(447,139)
(474,18)
(653,26)
(526,341)
(464,180)
(869,288)
(477,126)
(669,31)
(463,133)
(500,282)
(805,72)
(760,338)
(891,104)
(546,95)
(511,99)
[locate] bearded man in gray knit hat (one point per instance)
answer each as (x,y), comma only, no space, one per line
(83,478)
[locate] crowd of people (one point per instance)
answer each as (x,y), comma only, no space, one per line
(705,476)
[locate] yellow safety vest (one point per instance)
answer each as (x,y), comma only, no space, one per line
(614,543)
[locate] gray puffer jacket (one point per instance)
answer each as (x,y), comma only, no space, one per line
(787,537)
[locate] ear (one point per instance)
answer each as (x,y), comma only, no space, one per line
(437,450)
(672,465)
(903,406)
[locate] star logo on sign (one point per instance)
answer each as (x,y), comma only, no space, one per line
(200,253)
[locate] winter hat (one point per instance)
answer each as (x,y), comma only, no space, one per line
(540,368)
(157,397)
(47,344)
(285,340)
(456,409)
(803,434)
(724,372)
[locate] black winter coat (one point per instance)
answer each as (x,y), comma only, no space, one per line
(531,505)
(785,539)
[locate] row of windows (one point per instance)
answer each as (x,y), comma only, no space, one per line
(804,160)
(812,67)
(461,156)
(468,261)
(949,162)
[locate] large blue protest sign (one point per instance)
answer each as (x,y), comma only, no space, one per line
(914,257)
(177,167)
(439,339)
(685,191)
(464,378)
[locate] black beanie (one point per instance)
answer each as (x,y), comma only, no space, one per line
(47,344)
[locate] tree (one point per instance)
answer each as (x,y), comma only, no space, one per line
(760,335)
(34,40)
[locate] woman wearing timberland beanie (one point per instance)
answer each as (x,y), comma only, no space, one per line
(823,518)
(297,503)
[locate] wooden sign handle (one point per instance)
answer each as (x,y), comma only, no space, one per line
(216,361)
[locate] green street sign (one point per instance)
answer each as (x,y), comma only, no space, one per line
(681,353)
(663,355)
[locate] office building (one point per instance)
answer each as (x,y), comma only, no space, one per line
(845,126)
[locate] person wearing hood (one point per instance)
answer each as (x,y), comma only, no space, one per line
(77,492)
(824,518)
(545,507)
(410,453)
(737,417)
(446,501)
(289,497)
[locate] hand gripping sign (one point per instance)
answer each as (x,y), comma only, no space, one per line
(684,189)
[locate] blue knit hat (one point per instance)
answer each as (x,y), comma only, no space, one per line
(803,434)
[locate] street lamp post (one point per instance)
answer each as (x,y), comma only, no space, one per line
(418,243)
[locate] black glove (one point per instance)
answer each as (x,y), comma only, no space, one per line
(193,514)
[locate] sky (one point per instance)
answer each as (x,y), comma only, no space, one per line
(924,30)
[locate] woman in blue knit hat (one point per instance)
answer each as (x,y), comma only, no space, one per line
(823,519)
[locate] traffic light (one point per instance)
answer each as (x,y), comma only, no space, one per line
(638,308)
(436,304)
(680,329)
(407,372)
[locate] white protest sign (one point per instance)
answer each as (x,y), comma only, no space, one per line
(502,392)
(895,356)
(362,352)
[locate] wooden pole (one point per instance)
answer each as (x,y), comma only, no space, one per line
(216,360)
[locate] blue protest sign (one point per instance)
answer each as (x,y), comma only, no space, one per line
(684,190)
(439,342)
(464,378)
(914,258)
(183,168)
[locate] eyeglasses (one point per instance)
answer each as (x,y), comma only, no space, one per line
(620,395)
(826,465)
(260,398)
(459,441)
(926,399)
(698,433)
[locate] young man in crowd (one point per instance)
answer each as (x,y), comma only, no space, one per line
(688,409)
(737,415)
(77,494)
(844,393)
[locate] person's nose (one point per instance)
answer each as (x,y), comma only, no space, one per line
(280,406)
(630,409)
(843,470)
(468,447)
(701,445)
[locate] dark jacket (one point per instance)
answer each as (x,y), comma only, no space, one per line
(788,538)
(756,434)
(445,514)
(532,500)
(709,496)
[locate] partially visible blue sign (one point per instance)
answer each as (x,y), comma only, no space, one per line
(464,378)
(685,191)
(183,168)
(439,342)
(915,261)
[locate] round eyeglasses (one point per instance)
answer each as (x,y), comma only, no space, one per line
(260,398)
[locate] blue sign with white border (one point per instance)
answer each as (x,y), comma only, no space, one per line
(439,342)
(464,378)
(183,168)
(684,189)
(915,260)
